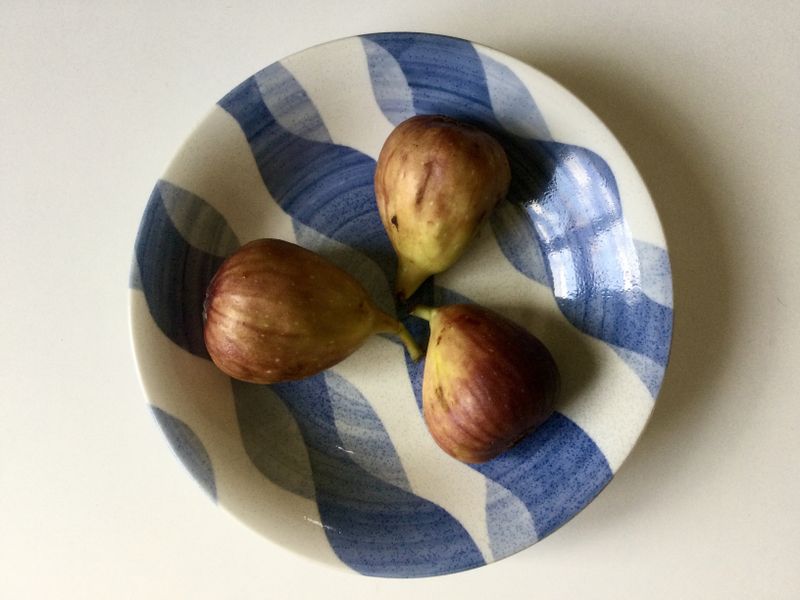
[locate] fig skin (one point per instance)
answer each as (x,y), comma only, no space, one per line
(436,181)
(275,311)
(487,382)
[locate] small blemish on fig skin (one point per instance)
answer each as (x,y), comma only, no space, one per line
(439,394)
(428,166)
(394,222)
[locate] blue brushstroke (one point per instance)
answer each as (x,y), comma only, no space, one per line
(593,263)
(512,103)
(656,272)
(648,371)
(325,186)
(173,274)
(373,526)
(388,84)
(508,521)
(362,433)
(445,75)
(555,472)
(189,449)
(288,102)
(516,236)
(199,223)
(271,438)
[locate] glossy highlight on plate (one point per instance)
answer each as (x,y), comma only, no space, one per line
(339,466)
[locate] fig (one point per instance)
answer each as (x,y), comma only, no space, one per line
(436,181)
(487,381)
(275,311)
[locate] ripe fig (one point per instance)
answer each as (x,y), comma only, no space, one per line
(275,311)
(487,382)
(436,181)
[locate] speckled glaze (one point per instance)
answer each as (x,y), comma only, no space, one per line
(339,466)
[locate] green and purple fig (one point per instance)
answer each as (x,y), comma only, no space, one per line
(275,311)
(487,383)
(436,181)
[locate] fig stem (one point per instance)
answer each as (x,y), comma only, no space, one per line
(410,343)
(423,312)
(386,324)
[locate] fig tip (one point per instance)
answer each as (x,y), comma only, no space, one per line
(409,277)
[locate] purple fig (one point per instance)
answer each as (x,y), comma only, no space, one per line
(487,382)
(275,311)
(436,181)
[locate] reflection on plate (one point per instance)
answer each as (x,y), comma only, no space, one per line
(339,466)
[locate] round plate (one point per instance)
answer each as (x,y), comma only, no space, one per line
(340,466)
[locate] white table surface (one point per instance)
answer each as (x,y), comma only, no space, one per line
(95,99)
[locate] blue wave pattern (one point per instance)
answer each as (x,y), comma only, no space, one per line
(512,102)
(363,436)
(594,267)
(188,448)
(515,235)
(374,526)
(271,437)
(509,522)
(656,274)
(172,273)
(324,186)
(555,472)
(388,83)
(567,193)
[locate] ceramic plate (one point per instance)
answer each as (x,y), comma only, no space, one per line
(340,466)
